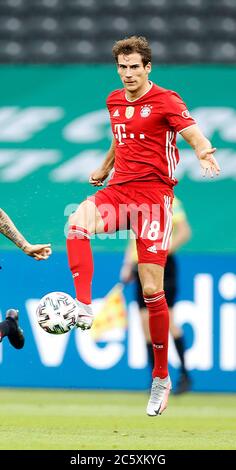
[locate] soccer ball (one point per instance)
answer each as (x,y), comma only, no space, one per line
(57,313)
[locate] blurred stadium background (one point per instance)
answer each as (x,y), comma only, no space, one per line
(56,72)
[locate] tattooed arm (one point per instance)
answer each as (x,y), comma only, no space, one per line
(9,230)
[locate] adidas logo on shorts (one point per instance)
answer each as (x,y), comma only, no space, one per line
(152,249)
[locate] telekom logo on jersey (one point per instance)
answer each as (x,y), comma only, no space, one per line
(120,133)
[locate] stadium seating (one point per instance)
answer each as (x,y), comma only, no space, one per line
(180,31)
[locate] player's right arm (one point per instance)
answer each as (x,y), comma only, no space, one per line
(98,176)
(9,230)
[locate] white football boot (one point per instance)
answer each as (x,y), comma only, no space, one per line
(159,396)
(85,316)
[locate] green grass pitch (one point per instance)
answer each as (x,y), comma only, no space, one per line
(65,419)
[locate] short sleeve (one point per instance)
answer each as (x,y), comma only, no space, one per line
(176,112)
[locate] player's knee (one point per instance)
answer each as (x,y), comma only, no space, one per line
(75,219)
(150,289)
(82,217)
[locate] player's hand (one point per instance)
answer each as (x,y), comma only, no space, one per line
(38,252)
(208,163)
(97,177)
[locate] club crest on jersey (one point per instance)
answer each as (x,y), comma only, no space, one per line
(145,110)
(129,112)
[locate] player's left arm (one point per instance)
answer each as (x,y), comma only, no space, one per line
(9,230)
(203,149)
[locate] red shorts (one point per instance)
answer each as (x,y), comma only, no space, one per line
(144,207)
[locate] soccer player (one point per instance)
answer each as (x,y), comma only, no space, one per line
(129,272)
(143,156)
(10,326)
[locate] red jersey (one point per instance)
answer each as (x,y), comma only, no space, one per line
(145,134)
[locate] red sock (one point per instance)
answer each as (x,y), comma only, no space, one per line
(80,261)
(159,331)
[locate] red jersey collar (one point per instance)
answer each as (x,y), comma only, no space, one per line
(146,92)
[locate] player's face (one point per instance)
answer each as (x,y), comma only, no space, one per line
(133,74)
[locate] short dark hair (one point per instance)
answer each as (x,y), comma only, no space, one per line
(133,44)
